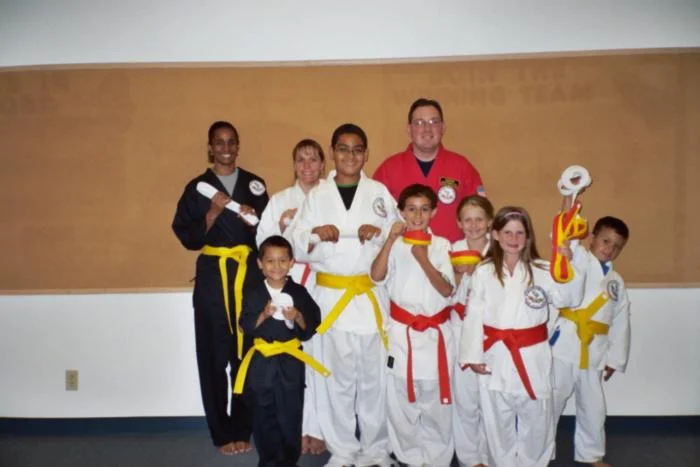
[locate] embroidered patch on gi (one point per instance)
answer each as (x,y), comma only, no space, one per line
(390,362)
(447,193)
(613,289)
(379,207)
(535,297)
(256,187)
(481,191)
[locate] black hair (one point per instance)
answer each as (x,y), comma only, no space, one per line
(417,190)
(212,131)
(614,223)
(349,129)
(275,241)
(423,102)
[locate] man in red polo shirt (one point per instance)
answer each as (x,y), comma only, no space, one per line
(427,162)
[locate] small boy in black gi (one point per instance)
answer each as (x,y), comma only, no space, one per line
(274,387)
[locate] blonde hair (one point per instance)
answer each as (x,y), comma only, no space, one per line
(477,201)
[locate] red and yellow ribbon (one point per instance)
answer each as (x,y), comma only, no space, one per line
(465,257)
(417,237)
(567,226)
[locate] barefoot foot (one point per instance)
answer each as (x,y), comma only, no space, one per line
(227,449)
(316,446)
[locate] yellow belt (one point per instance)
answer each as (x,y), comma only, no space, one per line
(239,254)
(353,285)
(586,328)
(270,349)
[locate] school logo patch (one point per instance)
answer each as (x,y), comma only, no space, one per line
(256,187)
(535,297)
(379,207)
(447,193)
(613,289)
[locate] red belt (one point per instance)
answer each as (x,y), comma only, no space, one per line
(305,274)
(514,340)
(461,310)
(421,323)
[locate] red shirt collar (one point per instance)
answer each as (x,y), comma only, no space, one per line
(440,150)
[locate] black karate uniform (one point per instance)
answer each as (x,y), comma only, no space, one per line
(274,386)
(216,346)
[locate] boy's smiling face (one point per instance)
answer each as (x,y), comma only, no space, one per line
(417,213)
(349,155)
(276,264)
(607,244)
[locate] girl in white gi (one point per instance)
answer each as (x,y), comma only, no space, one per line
(504,340)
(474,216)
(309,165)
(591,342)
(335,231)
(419,279)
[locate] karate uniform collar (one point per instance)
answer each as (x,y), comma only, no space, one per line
(331,177)
(297,186)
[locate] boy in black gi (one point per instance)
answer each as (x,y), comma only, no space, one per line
(274,387)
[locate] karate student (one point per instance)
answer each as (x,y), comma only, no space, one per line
(474,217)
(420,282)
(592,341)
(346,213)
(274,383)
(309,166)
(504,340)
(426,161)
(225,263)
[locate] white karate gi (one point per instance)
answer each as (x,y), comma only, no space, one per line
(352,348)
(469,433)
(420,432)
(611,350)
(292,198)
(515,305)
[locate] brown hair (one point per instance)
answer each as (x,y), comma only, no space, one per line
(417,190)
(308,143)
(529,253)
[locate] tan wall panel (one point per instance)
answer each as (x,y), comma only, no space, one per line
(94,160)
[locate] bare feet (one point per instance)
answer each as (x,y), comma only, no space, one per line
(305,444)
(235,447)
(600,464)
(316,446)
(480,465)
(227,449)
(242,447)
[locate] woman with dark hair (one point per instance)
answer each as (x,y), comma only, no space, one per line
(225,241)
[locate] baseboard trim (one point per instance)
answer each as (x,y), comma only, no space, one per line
(147,425)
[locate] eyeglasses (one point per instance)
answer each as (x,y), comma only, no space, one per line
(344,150)
(430,122)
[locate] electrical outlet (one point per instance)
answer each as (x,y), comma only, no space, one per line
(71,380)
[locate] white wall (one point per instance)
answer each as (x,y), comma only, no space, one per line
(135,352)
(123,31)
(135,355)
